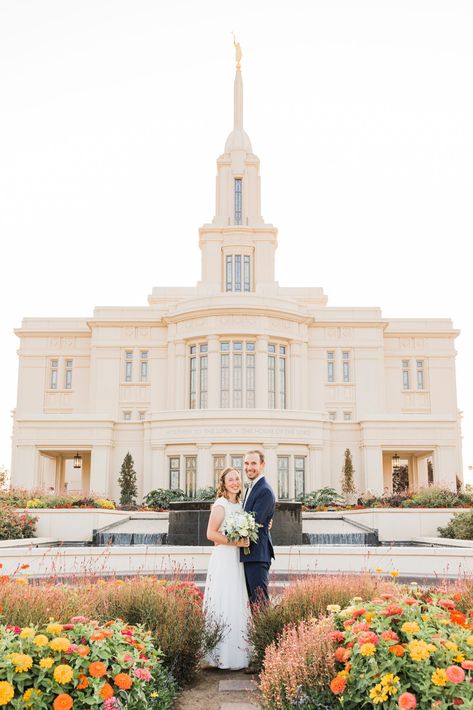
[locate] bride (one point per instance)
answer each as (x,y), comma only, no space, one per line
(226,596)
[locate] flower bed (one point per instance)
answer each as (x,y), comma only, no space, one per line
(82,664)
(397,650)
(171,611)
(15,524)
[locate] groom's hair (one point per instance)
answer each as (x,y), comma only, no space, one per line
(257,451)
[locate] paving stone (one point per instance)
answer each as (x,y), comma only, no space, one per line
(237,684)
(238,706)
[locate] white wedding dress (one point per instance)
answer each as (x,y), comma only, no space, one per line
(226,600)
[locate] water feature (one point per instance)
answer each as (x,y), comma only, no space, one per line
(352,538)
(101,538)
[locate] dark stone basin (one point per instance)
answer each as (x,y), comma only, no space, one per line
(188,522)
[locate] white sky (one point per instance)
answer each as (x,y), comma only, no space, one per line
(112,115)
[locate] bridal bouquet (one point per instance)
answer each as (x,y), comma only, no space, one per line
(240,525)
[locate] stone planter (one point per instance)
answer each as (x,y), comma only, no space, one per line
(188,522)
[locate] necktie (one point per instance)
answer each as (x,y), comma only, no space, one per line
(247,492)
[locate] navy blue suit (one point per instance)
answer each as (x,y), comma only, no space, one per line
(261,502)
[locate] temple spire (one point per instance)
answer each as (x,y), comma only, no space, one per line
(238,140)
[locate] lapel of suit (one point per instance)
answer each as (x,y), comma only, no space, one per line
(252,493)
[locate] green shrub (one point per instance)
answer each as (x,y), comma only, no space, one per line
(161,497)
(321,498)
(208,493)
(15,525)
(437,497)
(460,527)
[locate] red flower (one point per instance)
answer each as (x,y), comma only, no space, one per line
(336,636)
(358,612)
(389,635)
(446,603)
(368,637)
(467,665)
(393,610)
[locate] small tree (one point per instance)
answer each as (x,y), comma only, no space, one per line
(127,481)
(400,479)
(348,483)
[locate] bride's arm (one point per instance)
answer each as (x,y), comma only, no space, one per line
(217,515)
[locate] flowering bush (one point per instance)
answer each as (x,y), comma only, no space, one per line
(297,671)
(403,651)
(15,525)
(304,599)
(54,501)
(81,664)
(171,610)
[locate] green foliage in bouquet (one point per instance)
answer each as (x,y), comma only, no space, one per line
(82,664)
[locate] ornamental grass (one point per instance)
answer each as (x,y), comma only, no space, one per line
(171,610)
(298,669)
(82,664)
(305,599)
(403,651)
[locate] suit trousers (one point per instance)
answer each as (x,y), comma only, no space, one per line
(257,578)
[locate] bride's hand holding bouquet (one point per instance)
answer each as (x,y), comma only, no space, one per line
(242,526)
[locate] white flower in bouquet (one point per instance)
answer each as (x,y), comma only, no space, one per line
(240,525)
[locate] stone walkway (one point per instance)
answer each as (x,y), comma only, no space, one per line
(214,689)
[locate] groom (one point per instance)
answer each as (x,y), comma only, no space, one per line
(260,500)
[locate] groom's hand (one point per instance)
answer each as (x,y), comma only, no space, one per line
(270,524)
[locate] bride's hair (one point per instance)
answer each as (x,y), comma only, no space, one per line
(221,490)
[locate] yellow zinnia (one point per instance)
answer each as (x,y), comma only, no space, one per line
(63,674)
(439,677)
(378,694)
(27,632)
(54,628)
(470,640)
(28,696)
(418,650)
(59,644)
(410,627)
(6,692)
(389,679)
(41,640)
(368,649)
(451,645)
(46,662)
(21,661)
(334,608)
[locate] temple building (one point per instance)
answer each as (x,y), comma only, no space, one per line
(192,380)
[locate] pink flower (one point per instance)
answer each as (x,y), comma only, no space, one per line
(335,636)
(142,674)
(68,627)
(79,620)
(72,648)
(127,658)
(410,601)
(455,674)
(446,603)
(407,701)
(360,626)
(390,635)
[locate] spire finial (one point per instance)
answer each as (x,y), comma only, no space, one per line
(238,53)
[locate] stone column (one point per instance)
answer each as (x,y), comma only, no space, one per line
(213,371)
(204,466)
(100,482)
(372,468)
(180,382)
(271,468)
(261,372)
(159,474)
(314,474)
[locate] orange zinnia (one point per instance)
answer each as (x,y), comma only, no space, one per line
(338,685)
(97,636)
(83,650)
(123,681)
(83,682)
(63,702)
(397,649)
(107,691)
(97,669)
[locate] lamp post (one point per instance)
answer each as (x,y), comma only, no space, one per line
(77,461)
